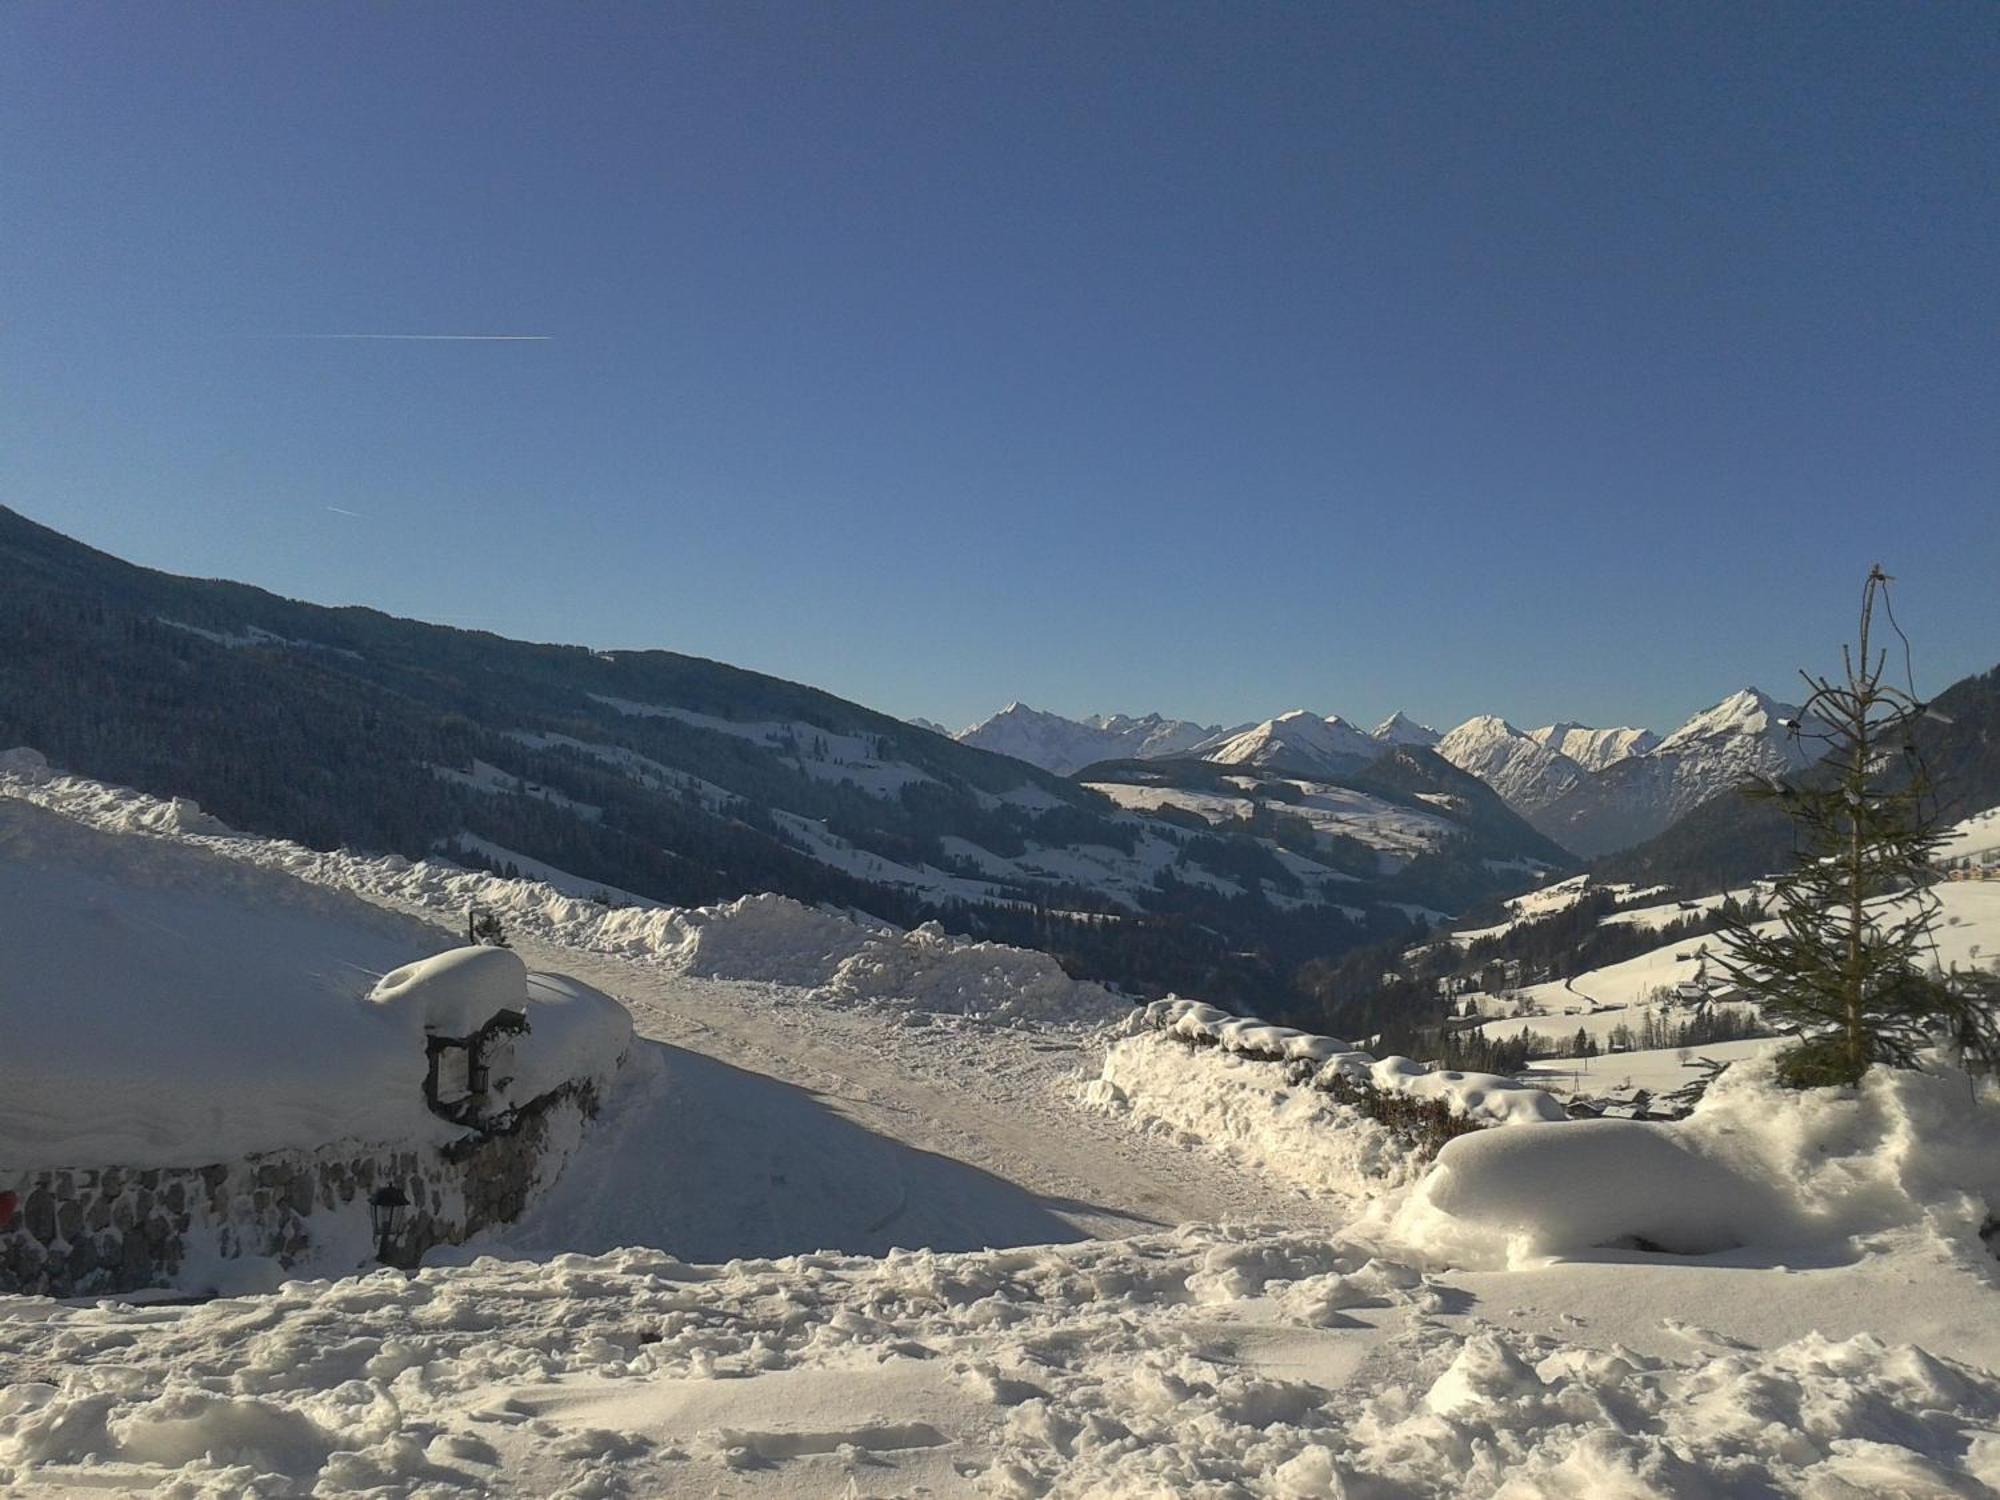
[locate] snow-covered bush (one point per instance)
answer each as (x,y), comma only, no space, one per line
(1756,1164)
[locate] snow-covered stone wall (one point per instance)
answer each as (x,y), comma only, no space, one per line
(79,1231)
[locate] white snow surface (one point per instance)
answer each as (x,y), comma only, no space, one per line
(1309,1330)
(1486,1097)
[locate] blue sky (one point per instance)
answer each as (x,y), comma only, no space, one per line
(1556,360)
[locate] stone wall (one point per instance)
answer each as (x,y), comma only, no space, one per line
(84,1231)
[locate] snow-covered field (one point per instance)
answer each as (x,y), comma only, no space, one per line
(1135,1270)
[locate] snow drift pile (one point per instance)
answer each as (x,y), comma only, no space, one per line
(848,961)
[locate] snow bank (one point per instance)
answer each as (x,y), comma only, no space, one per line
(1489,1098)
(1246,1108)
(163,1006)
(1754,1165)
(763,937)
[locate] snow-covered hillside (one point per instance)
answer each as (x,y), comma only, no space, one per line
(1134,1265)
(1064,745)
(1746,735)
(1397,831)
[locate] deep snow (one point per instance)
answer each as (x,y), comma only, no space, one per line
(1313,1328)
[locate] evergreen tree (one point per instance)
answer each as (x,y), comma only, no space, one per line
(1850,964)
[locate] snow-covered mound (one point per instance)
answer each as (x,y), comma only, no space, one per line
(575,1034)
(926,969)
(765,937)
(163,1005)
(1754,1165)
(1243,1107)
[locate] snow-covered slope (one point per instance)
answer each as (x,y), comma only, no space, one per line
(1394,1332)
(1298,741)
(1064,745)
(1525,772)
(1744,736)
(1400,729)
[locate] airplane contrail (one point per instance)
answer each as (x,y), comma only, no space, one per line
(426,338)
(338,511)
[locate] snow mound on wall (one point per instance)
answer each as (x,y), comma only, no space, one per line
(575,1033)
(1490,1098)
(456,992)
(162,1007)
(1754,1165)
(762,937)
(1245,1108)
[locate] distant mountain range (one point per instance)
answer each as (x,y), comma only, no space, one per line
(1065,745)
(657,775)
(1590,790)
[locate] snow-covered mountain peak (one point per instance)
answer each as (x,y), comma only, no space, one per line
(1749,711)
(1526,773)
(1298,740)
(1481,728)
(1400,729)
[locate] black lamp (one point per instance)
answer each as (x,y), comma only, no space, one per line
(387,1208)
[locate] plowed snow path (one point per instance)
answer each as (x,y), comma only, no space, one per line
(770,1123)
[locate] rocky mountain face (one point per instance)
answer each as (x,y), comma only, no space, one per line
(1594,749)
(1526,772)
(1746,735)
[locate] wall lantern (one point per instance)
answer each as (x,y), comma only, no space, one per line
(387,1208)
